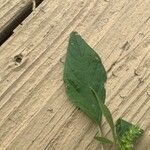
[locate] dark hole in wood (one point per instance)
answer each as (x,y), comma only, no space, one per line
(18,58)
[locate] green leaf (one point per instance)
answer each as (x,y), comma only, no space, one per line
(103,140)
(122,126)
(127,134)
(106,112)
(84,69)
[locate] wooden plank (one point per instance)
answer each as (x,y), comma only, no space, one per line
(34,110)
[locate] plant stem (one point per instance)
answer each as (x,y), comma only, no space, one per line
(101,134)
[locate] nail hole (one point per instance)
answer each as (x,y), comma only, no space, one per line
(50,110)
(18,58)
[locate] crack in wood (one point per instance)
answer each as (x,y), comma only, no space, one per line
(19,18)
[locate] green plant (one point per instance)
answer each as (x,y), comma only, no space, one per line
(84,78)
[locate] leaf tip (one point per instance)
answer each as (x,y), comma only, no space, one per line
(74,33)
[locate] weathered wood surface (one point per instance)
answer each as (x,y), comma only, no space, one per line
(35,113)
(10,12)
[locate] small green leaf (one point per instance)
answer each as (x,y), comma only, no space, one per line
(108,117)
(106,112)
(84,69)
(127,134)
(103,140)
(122,126)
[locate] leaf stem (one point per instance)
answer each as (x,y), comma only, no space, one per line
(101,134)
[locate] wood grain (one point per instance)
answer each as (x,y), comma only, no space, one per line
(35,113)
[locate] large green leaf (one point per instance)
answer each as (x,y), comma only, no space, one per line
(83,71)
